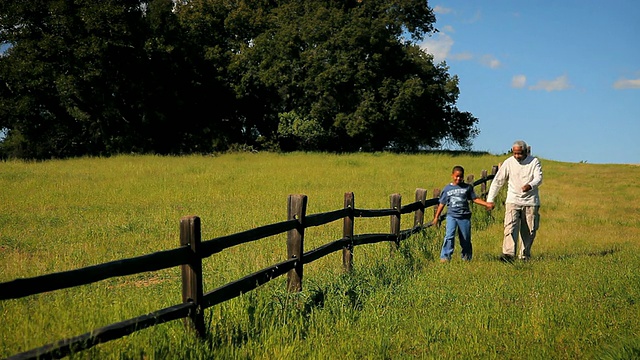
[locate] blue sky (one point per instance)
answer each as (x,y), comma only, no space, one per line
(562,75)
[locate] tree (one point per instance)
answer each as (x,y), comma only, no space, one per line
(61,92)
(85,77)
(95,78)
(346,66)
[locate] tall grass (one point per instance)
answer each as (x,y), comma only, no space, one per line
(577,298)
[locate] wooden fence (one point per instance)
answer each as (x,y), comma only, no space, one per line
(192,250)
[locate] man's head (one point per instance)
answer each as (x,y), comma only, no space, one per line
(519,150)
(457,174)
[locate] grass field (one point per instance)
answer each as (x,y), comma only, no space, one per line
(578,298)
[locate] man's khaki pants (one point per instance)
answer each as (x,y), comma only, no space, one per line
(523,221)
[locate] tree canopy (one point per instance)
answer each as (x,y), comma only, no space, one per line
(81,77)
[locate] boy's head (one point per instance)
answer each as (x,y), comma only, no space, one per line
(457,175)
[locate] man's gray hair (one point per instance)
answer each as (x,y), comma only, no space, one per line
(521,144)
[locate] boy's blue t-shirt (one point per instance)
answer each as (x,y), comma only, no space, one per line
(456,198)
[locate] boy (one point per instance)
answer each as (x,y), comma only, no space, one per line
(456,197)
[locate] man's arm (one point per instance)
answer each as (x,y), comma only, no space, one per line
(537,173)
(497,182)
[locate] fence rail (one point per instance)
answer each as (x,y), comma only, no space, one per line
(192,250)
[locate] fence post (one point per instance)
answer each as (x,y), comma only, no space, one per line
(347,232)
(396,204)
(436,195)
(470,180)
(494,170)
(190,235)
(296,208)
(483,186)
(421,195)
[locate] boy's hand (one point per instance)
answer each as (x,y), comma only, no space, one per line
(490,206)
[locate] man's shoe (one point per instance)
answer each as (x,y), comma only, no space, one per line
(506,258)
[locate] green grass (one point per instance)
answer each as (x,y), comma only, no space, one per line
(577,298)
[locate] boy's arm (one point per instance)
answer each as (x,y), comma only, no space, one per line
(437,215)
(479,201)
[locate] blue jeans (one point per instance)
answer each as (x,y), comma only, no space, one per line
(464,234)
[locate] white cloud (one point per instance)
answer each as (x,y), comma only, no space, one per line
(461,56)
(518,81)
(476,17)
(439,46)
(448,28)
(486,60)
(441,10)
(557,84)
(490,61)
(627,84)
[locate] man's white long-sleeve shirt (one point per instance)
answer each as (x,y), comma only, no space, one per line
(516,175)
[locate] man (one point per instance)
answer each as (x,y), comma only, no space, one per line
(523,174)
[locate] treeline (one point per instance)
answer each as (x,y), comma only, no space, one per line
(85,77)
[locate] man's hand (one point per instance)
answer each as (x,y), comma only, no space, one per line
(490,206)
(526,188)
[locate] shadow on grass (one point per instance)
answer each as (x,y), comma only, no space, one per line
(600,253)
(625,349)
(558,257)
